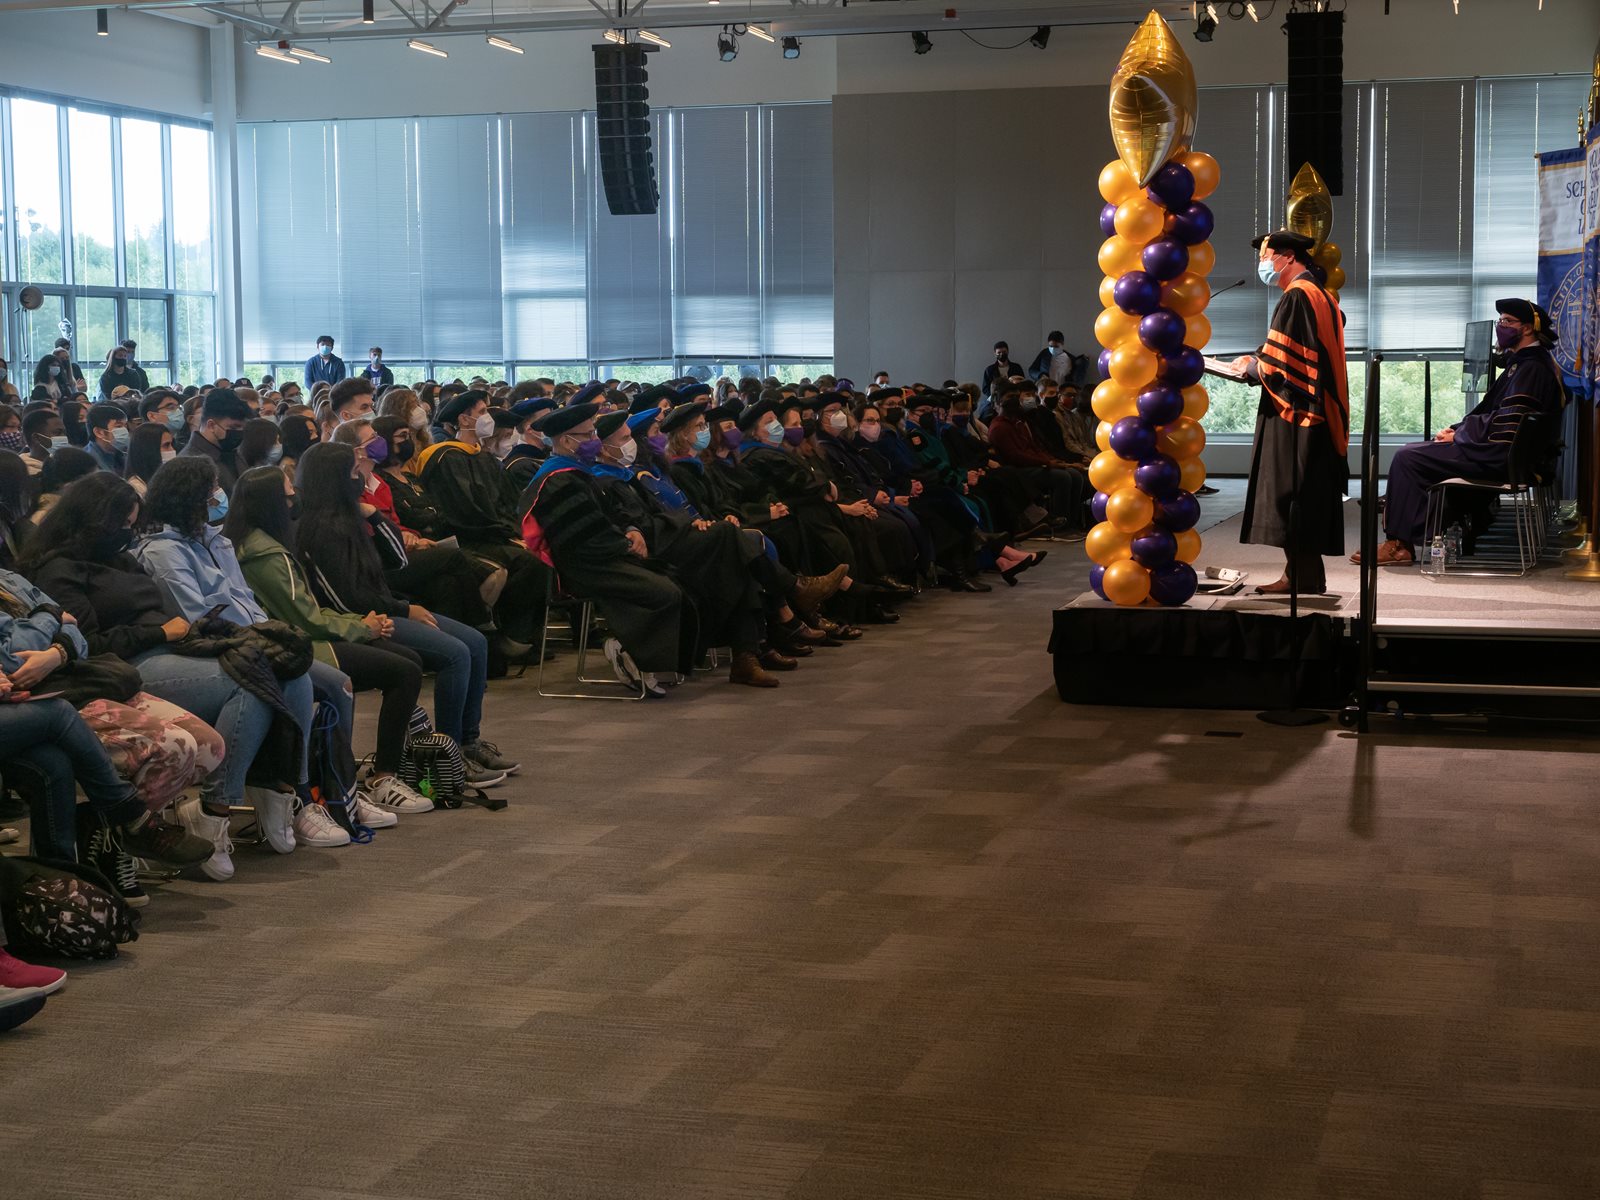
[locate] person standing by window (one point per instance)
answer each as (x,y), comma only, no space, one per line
(324,366)
(379,375)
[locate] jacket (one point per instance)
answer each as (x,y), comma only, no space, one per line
(199,574)
(37,628)
(120,608)
(380,376)
(107,460)
(281,588)
(323,370)
(227,467)
(1014,444)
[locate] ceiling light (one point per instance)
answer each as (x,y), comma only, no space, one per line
(1041,36)
(274,53)
(1204,28)
(920,43)
(727,45)
(791,47)
(302,52)
(102,21)
(617,36)
(1251,9)
(1211,11)
(502,44)
(426,48)
(757,31)
(656,38)
(366,12)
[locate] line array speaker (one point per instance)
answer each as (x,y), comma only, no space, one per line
(1315,101)
(622,114)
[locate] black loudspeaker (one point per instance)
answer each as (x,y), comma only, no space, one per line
(1315,102)
(622,114)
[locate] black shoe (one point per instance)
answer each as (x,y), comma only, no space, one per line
(108,857)
(965,583)
(169,845)
(1205,489)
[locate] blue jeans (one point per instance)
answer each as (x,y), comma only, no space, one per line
(49,736)
(460,656)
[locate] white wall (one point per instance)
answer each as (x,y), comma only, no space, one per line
(146,62)
(379,79)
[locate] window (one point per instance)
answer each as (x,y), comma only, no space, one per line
(196,337)
(144,206)
(95,332)
(191,209)
(36,180)
(94,211)
(560,372)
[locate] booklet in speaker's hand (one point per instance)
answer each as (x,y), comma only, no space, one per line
(1215,366)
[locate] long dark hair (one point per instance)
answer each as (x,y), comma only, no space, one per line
(259,502)
(144,451)
(77,523)
(72,412)
(41,372)
(16,487)
(330,527)
(299,432)
(65,466)
(180,493)
(260,436)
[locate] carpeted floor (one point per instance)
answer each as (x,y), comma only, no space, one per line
(907,927)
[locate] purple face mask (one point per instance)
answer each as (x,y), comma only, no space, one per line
(657,442)
(377,450)
(1507,336)
(794,435)
(732,438)
(589,450)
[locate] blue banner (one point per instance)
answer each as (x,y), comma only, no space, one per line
(1561,278)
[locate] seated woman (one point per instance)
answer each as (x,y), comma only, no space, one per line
(11,430)
(149,447)
(16,498)
(297,432)
(335,545)
(405,407)
(258,524)
(261,445)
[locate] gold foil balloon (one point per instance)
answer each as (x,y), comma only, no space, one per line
(1309,207)
(1336,280)
(1152,102)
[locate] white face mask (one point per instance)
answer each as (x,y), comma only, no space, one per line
(418,419)
(628,453)
(168,455)
(484,426)
(772,432)
(837,421)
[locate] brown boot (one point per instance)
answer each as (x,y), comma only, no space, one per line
(772,660)
(747,669)
(811,590)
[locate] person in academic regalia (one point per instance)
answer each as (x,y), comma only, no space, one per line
(1298,471)
(1479,446)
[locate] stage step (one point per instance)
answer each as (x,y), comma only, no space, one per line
(1435,687)
(1463,629)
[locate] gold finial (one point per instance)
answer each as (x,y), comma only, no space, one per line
(1152,100)
(1309,207)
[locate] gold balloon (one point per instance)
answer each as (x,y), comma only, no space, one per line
(1111,401)
(1191,477)
(1108,297)
(1108,472)
(1129,509)
(1117,182)
(1126,583)
(1197,331)
(1102,435)
(1113,327)
(1207,174)
(1152,101)
(1328,255)
(1134,365)
(1336,279)
(1186,295)
(1196,403)
(1183,439)
(1309,208)
(1201,259)
(1107,544)
(1140,219)
(1188,546)
(1118,255)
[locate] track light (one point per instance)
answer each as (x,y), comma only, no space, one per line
(655,38)
(617,36)
(1205,25)
(102,22)
(727,45)
(426,48)
(920,43)
(502,44)
(1251,9)
(1041,37)
(366,12)
(791,47)
(277,55)
(302,52)
(757,31)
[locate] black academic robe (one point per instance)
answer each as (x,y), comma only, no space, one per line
(1302,427)
(816,541)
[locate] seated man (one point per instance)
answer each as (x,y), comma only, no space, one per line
(1478,446)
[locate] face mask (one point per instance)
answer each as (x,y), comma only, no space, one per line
(1266,272)
(731,438)
(418,419)
(58,443)
(109,545)
(929,421)
(294,508)
(657,442)
(702,439)
(2,374)
(484,427)
(13,440)
(218,508)
(403,451)
(589,450)
(230,441)
(325,351)
(377,450)
(175,420)
(772,432)
(837,421)
(1031,403)
(1507,336)
(628,453)
(54,370)
(794,435)
(119,363)
(893,415)
(119,438)
(870,430)
(377,360)
(275,455)
(1050,402)
(168,455)
(959,420)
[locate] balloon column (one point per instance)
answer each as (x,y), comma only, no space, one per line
(1155,258)
(1309,210)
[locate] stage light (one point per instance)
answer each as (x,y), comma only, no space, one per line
(102,22)
(1251,9)
(419,44)
(727,45)
(1041,37)
(757,31)
(646,36)
(302,52)
(791,47)
(502,44)
(277,55)
(366,12)
(920,43)
(1204,28)
(617,36)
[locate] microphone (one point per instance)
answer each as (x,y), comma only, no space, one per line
(1229,288)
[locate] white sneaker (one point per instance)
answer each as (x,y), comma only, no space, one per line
(397,796)
(365,812)
(275,816)
(622,664)
(314,826)
(652,686)
(201,824)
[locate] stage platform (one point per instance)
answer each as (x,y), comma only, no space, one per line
(1458,642)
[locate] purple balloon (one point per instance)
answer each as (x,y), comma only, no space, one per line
(1177,513)
(1192,225)
(1108,220)
(1158,476)
(1165,258)
(1172,188)
(1160,404)
(1097,576)
(1097,506)
(1137,292)
(1104,363)
(1172,583)
(1133,439)
(1152,547)
(1163,331)
(1184,368)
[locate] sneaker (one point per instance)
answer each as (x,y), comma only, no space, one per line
(170,845)
(487,755)
(365,812)
(20,976)
(274,816)
(107,857)
(622,664)
(215,831)
(315,826)
(653,687)
(482,777)
(18,1008)
(396,795)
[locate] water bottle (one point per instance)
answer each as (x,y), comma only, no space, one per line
(1436,555)
(1453,544)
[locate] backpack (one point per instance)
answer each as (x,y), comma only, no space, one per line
(63,910)
(434,765)
(333,772)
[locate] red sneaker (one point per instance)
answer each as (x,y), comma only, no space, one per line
(14,973)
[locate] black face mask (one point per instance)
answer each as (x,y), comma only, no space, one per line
(401,452)
(108,545)
(294,508)
(929,421)
(1050,402)
(892,415)
(809,425)
(230,441)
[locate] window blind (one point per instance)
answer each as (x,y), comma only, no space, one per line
(717,266)
(459,218)
(379,239)
(544,250)
(797,183)
(630,265)
(1239,127)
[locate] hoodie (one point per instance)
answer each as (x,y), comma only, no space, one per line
(281,588)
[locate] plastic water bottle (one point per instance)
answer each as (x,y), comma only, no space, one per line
(1436,555)
(1452,544)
